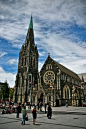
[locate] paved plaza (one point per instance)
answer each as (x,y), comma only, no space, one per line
(62,118)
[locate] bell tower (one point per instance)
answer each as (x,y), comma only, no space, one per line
(27,65)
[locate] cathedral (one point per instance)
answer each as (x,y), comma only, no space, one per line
(54,84)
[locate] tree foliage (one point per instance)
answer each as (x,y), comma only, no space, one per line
(0,94)
(5,90)
(11,91)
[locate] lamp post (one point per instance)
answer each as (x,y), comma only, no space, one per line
(52,88)
(21,94)
(2,97)
(30,90)
(53,93)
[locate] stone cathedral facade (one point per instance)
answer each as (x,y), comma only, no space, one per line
(54,83)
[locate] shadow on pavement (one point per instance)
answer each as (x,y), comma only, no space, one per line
(38,123)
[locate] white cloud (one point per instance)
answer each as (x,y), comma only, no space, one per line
(7,76)
(68,53)
(49,18)
(77,66)
(42,53)
(12,61)
(2,54)
(40,65)
(16,20)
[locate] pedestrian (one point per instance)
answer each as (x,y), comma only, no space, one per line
(25,104)
(22,104)
(24,115)
(45,107)
(49,112)
(18,110)
(34,114)
(36,110)
(38,105)
(41,106)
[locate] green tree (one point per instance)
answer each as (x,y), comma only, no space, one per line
(11,91)
(5,90)
(0,95)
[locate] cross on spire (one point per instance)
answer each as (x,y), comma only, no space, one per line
(48,54)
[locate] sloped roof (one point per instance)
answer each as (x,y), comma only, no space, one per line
(84,76)
(66,70)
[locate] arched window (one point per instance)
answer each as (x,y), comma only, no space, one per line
(25,60)
(49,98)
(22,61)
(49,66)
(66,78)
(31,61)
(66,92)
(34,62)
(34,98)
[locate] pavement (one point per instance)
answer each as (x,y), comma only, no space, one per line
(62,118)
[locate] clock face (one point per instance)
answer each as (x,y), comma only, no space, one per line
(49,77)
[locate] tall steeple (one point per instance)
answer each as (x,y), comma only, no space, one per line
(31,23)
(30,33)
(28,64)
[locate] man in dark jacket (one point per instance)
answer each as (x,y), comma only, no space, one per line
(49,112)
(45,107)
(40,106)
(18,110)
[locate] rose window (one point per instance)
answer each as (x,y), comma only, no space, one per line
(49,77)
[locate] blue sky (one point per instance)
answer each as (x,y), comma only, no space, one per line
(59,29)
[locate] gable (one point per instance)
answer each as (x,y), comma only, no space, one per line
(56,66)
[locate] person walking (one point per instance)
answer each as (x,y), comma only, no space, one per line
(40,106)
(24,114)
(18,110)
(45,107)
(34,114)
(49,112)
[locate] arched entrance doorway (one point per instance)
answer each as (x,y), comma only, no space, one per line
(40,98)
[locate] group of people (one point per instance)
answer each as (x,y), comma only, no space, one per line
(35,109)
(22,107)
(34,112)
(8,107)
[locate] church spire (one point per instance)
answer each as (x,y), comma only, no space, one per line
(31,23)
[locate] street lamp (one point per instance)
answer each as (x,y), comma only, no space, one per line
(52,88)
(2,97)
(21,94)
(30,89)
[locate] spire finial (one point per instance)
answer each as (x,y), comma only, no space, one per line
(31,14)
(48,54)
(31,23)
